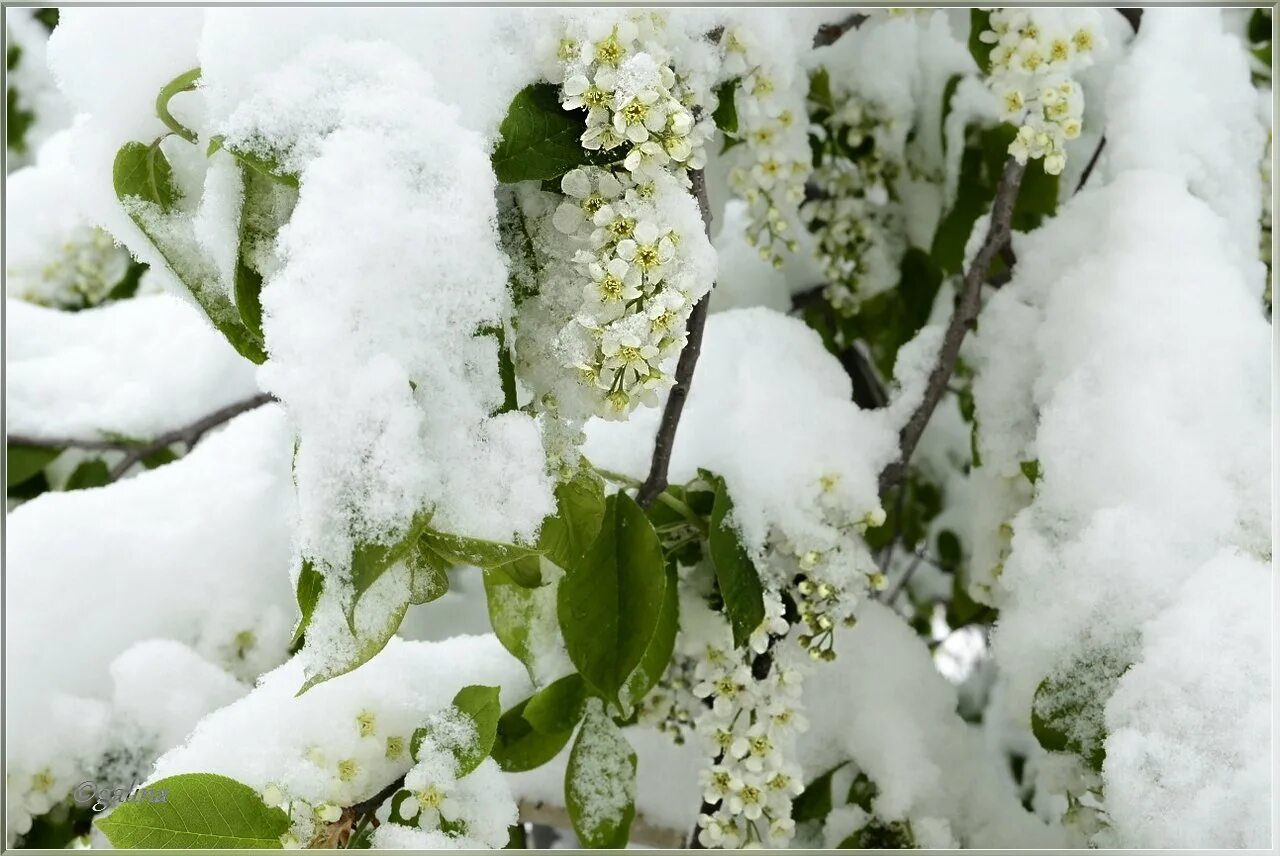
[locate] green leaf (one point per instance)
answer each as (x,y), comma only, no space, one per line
(525,572)
(979,21)
(367,643)
(18,120)
(518,612)
(89,474)
(429,574)
(143,171)
(480,704)
(609,606)
(600,782)
(520,747)
(949,553)
(540,139)
(558,707)
(264,165)
(658,655)
(739,583)
(310,585)
(459,550)
(878,835)
(1030,469)
(370,561)
(184,82)
(820,90)
(948,92)
(726,113)
(200,810)
(23,462)
(568,535)
(1260,26)
(1067,711)
(814,802)
(265,207)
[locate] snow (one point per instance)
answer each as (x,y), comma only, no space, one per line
(1190,723)
(103,584)
(925,760)
(273,736)
(135,368)
(771,411)
(1128,356)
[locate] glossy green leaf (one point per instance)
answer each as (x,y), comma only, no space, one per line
(739,582)
(520,747)
(459,550)
(23,462)
(663,642)
(143,171)
(540,140)
(370,561)
(94,473)
(568,534)
(600,782)
(518,612)
(184,82)
(557,707)
(429,574)
(310,585)
(726,113)
(199,810)
(481,706)
(979,22)
(609,606)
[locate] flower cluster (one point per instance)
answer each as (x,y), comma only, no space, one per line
(1034,55)
(30,794)
(773,158)
(637,286)
(854,214)
(79,274)
(749,723)
(434,798)
(621,74)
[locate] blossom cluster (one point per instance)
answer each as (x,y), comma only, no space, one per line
(434,798)
(772,159)
(621,73)
(79,273)
(1034,56)
(855,215)
(637,285)
(749,725)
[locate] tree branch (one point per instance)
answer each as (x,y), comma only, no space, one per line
(962,319)
(134,451)
(664,442)
(829,33)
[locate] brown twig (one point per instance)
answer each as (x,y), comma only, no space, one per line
(962,319)
(664,442)
(136,451)
(828,33)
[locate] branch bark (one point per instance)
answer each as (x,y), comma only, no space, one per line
(829,33)
(134,452)
(962,319)
(664,442)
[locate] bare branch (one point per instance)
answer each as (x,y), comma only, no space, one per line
(135,451)
(664,442)
(962,319)
(829,33)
